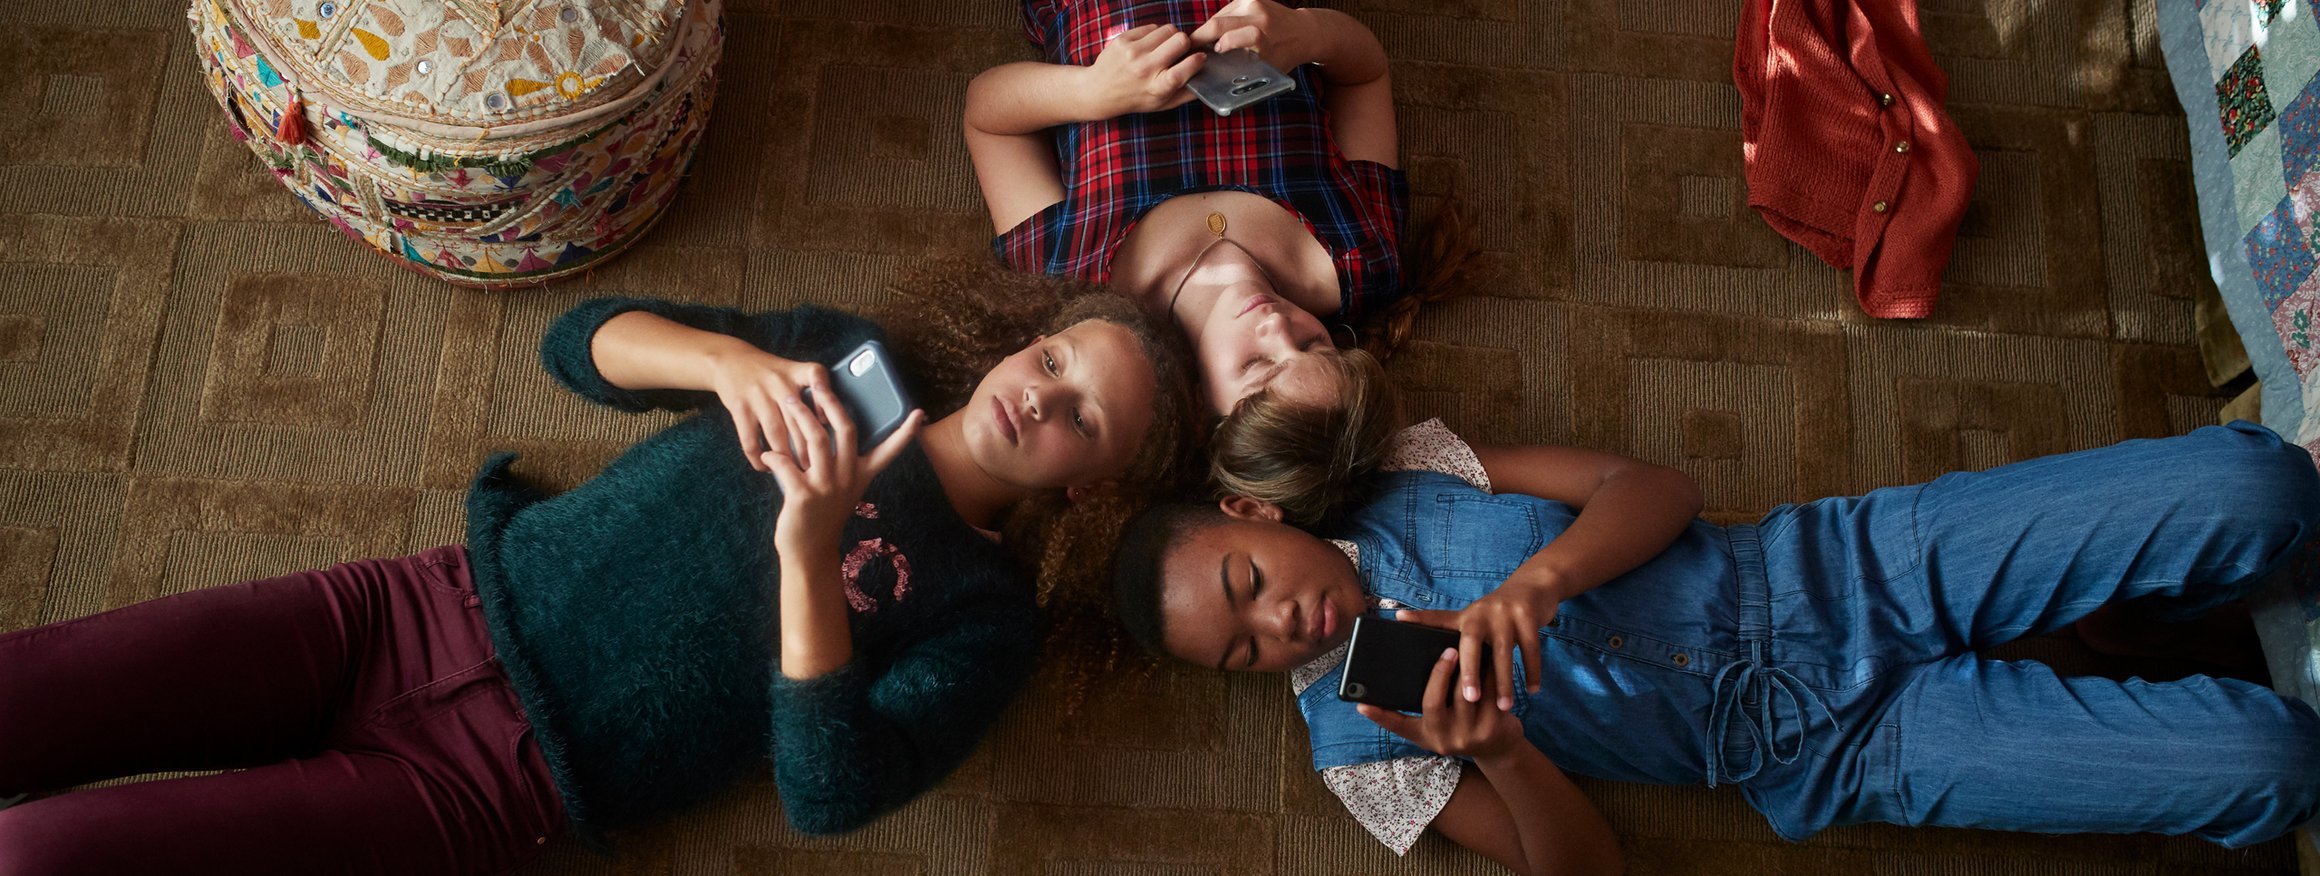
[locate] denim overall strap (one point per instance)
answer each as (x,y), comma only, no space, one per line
(1754,681)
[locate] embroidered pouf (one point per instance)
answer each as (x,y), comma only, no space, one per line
(491,143)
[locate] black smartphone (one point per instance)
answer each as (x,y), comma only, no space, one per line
(870,388)
(1388,662)
(1234,79)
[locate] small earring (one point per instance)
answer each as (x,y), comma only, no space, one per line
(1352,338)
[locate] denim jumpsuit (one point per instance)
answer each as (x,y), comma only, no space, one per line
(1823,658)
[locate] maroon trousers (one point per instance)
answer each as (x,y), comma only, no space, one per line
(360,717)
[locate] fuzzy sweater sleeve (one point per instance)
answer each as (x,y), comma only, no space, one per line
(852,744)
(806,334)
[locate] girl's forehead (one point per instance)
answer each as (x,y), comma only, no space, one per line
(1205,556)
(1102,337)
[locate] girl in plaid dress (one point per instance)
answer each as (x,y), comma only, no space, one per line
(1249,229)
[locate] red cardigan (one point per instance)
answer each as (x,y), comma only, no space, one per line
(1847,149)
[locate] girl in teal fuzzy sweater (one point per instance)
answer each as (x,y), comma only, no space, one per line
(610,654)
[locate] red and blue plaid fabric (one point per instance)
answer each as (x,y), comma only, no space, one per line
(1281,149)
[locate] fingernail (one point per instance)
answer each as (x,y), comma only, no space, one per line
(1474,694)
(1506,704)
(1449,653)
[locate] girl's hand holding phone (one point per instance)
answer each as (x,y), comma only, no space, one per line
(824,478)
(752,384)
(1491,631)
(1280,35)
(1143,69)
(1450,725)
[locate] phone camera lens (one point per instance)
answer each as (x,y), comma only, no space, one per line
(1355,690)
(1244,89)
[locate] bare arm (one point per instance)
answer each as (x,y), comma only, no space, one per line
(1512,805)
(1540,824)
(640,350)
(815,640)
(1629,510)
(1011,107)
(1360,96)
(1014,155)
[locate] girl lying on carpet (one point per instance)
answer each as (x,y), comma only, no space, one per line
(1246,229)
(1821,659)
(611,654)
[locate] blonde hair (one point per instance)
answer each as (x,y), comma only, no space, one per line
(1311,460)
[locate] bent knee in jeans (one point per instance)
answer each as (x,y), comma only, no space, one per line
(2264,474)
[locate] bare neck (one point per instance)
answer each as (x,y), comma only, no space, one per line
(1150,263)
(981,499)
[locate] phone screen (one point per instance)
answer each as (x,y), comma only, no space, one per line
(1387,663)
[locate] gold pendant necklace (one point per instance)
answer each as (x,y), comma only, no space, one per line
(1216,227)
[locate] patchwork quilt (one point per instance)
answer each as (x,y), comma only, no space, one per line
(2248,75)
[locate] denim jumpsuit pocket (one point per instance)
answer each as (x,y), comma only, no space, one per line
(1474,533)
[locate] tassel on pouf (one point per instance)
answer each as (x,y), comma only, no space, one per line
(292,130)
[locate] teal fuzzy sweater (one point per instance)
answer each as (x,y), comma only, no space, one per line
(637,613)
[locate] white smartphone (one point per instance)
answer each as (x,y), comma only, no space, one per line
(1238,78)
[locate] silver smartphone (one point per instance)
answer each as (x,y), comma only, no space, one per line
(870,389)
(1238,78)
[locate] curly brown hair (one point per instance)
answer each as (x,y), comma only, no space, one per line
(952,319)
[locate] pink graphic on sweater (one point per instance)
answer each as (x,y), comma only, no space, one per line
(864,551)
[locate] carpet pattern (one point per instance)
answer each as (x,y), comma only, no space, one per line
(202,383)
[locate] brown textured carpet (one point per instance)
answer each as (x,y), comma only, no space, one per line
(201,383)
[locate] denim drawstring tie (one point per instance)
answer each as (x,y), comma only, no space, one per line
(1746,690)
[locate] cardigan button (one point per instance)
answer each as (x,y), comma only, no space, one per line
(1878,207)
(1884,100)
(1902,146)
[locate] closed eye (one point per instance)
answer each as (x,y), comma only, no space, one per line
(1256,586)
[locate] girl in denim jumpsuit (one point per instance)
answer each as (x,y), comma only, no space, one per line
(1823,658)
